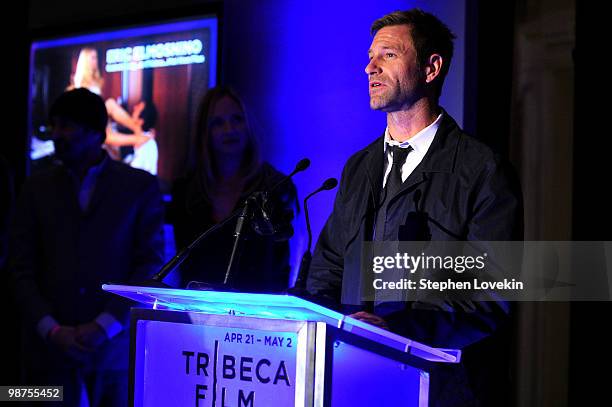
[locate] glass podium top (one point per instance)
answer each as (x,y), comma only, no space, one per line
(275,306)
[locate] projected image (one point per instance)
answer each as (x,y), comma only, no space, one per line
(150,79)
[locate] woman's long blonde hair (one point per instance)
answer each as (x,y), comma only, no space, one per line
(86,74)
(204,156)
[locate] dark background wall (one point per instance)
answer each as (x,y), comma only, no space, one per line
(12,148)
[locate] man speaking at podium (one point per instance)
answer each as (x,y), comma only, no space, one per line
(423,179)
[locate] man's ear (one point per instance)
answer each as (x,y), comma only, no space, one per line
(433,68)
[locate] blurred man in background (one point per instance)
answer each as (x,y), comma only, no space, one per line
(86,221)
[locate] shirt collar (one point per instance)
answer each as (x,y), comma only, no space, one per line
(420,142)
(97,169)
(92,172)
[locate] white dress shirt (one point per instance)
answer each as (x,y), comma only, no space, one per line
(420,143)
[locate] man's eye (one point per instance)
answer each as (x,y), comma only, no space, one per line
(390,54)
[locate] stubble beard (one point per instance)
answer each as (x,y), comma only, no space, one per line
(387,101)
(397,98)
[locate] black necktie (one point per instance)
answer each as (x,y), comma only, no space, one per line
(394,181)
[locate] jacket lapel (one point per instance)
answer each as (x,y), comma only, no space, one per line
(374,169)
(443,150)
(102,187)
(439,158)
(65,186)
(413,179)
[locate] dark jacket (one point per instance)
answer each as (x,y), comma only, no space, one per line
(263,265)
(61,255)
(460,191)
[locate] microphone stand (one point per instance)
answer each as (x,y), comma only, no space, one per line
(243,214)
(300,282)
(299,287)
(157,280)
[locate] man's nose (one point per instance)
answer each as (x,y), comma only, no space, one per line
(372,67)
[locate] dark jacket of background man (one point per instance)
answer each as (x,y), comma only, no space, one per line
(62,252)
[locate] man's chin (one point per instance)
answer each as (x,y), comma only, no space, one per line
(376,104)
(379,105)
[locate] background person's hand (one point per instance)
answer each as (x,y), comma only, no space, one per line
(138,108)
(140,139)
(370,319)
(64,337)
(90,335)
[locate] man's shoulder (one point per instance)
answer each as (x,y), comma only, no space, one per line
(47,176)
(468,147)
(475,155)
(129,174)
(473,147)
(357,158)
(130,181)
(470,153)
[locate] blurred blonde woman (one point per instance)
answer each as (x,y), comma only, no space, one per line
(227,169)
(87,75)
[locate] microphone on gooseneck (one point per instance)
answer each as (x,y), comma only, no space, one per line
(300,282)
(246,213)
(262,219)
(157,280)
(300,166)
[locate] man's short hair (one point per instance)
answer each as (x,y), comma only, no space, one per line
(83,107)
(429,35)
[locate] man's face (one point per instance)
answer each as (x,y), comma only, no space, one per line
(395,79)
(73,142)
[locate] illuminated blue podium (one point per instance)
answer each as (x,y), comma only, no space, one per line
(205,348)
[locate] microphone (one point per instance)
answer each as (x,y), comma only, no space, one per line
(157,280)
(300,166)
(300,282)
(262,220)
(303,164)
(247,210)
(329,184)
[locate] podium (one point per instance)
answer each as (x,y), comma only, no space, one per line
(228,349)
